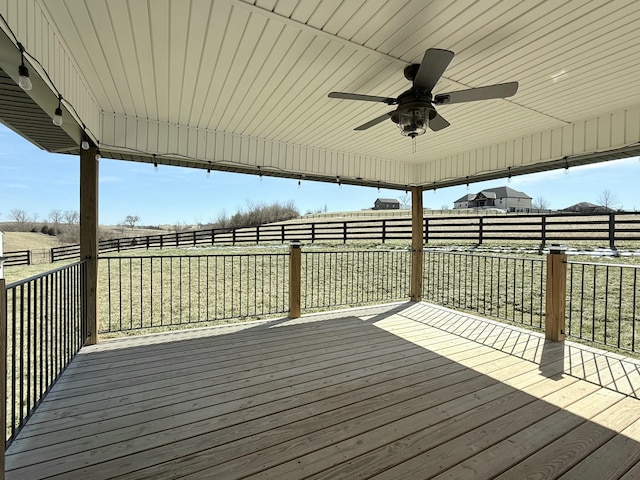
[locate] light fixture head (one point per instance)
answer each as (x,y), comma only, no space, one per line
(85,145)
(98,156)
(24,81)
(57,117)
(413,118)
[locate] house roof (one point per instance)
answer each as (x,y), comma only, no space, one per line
(505,192)
(388,200)
(497,192)
(467,198)
(242,85)
(582,205)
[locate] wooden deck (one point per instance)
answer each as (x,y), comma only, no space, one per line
(393,392)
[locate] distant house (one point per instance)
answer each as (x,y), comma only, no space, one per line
(504,198)
(587,207)
(386,204)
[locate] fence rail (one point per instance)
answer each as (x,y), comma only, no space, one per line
(608,229)
(44,331)
(19,257)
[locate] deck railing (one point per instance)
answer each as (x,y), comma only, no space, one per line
(331,279)
(162,291)
(602,304)
(508,288)
(44,330)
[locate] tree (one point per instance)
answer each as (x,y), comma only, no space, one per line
(541,203)
(608,199)
(72,217)
(19,216)
(405,200)
(55,216)
(131,220)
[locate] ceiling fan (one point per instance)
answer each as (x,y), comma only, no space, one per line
(416,107)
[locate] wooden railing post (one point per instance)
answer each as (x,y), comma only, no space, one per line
(3,368)
(295,266)
(417,244)
(89,246)
(556,294)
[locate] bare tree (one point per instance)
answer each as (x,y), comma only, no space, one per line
(19,216)
(55,217)
(72,217)
(541,203)
(608,199)
(405,200)
(131,220)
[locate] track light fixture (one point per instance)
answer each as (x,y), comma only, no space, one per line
(24,81)
(57,117)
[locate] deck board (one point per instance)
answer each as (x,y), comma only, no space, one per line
(396,391)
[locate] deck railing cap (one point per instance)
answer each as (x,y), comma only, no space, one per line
(557,249)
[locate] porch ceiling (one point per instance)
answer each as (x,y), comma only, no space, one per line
(244,84)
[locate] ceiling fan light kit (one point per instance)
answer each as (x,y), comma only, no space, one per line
(416,111)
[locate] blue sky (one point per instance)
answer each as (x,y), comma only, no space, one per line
(36,181)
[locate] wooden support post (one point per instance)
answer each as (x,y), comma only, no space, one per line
(295,266)
(89,238)
(612,231)
(3,368)
(556,294)
(417,244)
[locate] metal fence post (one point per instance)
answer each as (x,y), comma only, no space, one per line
(295,266)
(3,368)
(555,312)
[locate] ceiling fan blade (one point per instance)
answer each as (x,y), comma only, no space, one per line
(366,98)
(438,123)
(501,90)
(375,121)
(434,63)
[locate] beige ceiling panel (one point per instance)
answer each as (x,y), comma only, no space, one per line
(246,82)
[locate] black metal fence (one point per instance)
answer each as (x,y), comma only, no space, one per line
(162,291)
(331,279)
(508,288)
(602,304)
(609,229)
(45,329)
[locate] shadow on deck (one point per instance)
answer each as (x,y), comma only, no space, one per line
(397,391)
